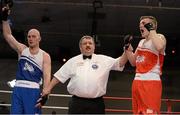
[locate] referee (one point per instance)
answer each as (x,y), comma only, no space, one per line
(88,73)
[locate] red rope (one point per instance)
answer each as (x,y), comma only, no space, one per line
(117,98)
(118,110)
(169,103)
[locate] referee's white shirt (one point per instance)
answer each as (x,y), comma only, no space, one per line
(89,77)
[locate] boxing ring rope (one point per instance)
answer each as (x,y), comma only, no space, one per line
(169,103)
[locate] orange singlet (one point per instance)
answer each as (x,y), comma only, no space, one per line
(147,87)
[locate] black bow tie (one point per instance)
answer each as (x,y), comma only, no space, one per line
(85,57)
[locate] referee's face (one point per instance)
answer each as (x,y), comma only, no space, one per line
(87,46)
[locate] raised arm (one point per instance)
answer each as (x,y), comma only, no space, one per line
(18,47)
(131,56)
(123,59)
(158,40)
(128,49)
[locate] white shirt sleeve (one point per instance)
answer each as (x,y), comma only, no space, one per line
(112,63)
(64,73)
(116,66)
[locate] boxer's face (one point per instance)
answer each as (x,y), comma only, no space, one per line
(33,38)
(87,46)
(143,30)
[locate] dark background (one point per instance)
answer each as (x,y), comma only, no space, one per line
(63,22)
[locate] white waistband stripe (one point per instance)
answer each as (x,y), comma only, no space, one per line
(27,84)
(147,76)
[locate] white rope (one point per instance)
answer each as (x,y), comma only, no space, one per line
(8,105)
(60,95)
(44,107)
(54,107)
(55,95)
(3,91)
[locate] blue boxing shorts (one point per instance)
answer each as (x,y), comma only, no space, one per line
(24,98)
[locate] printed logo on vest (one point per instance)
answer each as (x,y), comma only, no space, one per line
(28,67)
(140,59)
